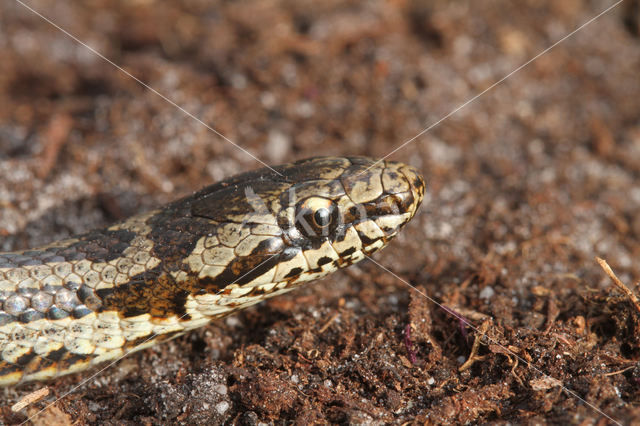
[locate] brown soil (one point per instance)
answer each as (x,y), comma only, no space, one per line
(527,184)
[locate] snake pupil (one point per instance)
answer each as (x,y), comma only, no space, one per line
(322,217)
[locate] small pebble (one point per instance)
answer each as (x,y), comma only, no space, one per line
(487,293)
(222,407)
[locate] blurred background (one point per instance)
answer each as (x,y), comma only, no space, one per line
(526,185)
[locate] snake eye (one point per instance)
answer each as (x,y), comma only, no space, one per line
(316,217)
(322,218)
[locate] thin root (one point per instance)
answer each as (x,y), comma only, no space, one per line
(630,294)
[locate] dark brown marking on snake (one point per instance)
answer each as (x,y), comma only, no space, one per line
(306,171)
(70,359)
(352,215)
(88,296)
(263,174)
(234,203)
(26,358)
(96,246)
(39,363)
(294,272)
(56,355)
(8,368)
(264,257)
(174,234)
(404,200)
(153,292)
(324,260)
(347,252)
(360,161)
(99,246)
(366,241)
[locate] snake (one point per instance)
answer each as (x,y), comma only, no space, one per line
(81,301)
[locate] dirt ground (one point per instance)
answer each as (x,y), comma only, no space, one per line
(527,185)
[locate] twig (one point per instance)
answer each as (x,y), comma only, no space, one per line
(328,323)
(473,356)
(30,398)
(630,294)
(613,373)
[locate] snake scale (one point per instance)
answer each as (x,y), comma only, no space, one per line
(78,302)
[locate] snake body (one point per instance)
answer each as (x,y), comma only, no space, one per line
(78,302)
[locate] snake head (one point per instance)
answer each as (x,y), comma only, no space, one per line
(270,232)
(341,213)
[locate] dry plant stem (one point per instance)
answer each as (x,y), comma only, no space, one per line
(30,398)
(613,373)
(630,294)
(328,323)
(473,357)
